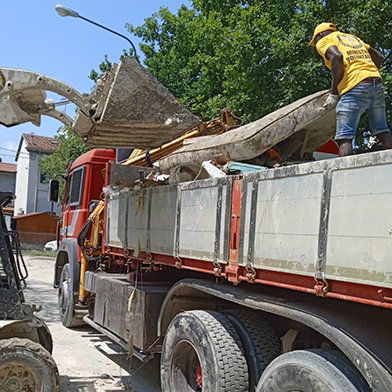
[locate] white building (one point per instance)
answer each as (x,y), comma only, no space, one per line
(31,191)
(7,185)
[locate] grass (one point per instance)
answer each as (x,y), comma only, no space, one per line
(38,253)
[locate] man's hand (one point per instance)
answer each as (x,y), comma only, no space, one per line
(331,101)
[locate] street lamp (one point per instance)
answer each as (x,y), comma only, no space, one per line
(65,11)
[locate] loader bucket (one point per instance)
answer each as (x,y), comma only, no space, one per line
(128,107)
(133,109)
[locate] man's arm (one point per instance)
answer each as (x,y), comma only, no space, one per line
(376,56)
(334,55)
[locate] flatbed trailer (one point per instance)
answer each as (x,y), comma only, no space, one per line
(291,265)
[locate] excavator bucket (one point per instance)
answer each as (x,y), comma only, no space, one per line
(128,107)
(133,110)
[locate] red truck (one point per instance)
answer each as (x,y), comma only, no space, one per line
(273,280)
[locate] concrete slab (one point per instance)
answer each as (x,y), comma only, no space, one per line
(293,131)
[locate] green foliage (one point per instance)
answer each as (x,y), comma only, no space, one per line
(105,66)
(54,166)
(253,56)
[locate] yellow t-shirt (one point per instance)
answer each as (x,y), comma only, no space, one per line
(358,65)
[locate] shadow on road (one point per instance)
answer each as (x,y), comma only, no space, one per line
(47,299)
(87,384)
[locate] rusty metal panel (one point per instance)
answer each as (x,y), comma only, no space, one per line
(247,202)
(222,225)
(287,223)
(325,219)
(142,219)
(329,219)
(162,222)
(127,218)
(360,225)
(115,310)
(113,237)
(198,222)
(127,176)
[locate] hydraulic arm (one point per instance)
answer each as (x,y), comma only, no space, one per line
(128,107)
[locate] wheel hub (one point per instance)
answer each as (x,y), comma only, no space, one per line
(19,377)
(63,299)
(199,377)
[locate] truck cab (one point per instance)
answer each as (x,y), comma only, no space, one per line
(84,184)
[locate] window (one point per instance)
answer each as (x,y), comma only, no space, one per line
(75,187)
(42,178)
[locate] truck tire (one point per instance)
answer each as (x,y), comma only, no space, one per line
(261,345)
(26,366)
(45,338)
(202,351)
(66,301)
(312,370)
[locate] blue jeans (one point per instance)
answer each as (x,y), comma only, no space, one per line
(364,97)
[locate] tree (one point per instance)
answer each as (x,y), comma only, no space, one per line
(70,146)
(253,56)
(105,66)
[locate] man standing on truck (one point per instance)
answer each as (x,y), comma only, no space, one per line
(356,84)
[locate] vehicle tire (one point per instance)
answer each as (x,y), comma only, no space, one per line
(45,338)
(312,370)
(66,300)
(261,345)
(202,351)
(26,366)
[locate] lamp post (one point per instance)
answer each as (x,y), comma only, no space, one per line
(64,11)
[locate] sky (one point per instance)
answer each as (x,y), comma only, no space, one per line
(36,38)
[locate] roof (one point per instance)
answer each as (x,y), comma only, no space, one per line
(37,143)
(97,155)
(8,167)
(30,214)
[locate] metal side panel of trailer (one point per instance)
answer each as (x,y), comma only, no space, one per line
(330,219)
(171,220)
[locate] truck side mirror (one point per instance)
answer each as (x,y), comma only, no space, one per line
(54,191)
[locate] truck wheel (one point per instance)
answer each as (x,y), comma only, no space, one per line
(202,352)
(312,370)
(66,300)
(261,345)
(45,338)
(26,366)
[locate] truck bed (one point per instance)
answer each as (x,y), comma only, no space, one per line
(320,227)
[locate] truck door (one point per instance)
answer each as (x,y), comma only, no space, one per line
(73,202)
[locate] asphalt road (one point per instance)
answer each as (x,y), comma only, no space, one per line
(87,360)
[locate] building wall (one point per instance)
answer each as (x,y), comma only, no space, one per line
(7,182)
(31,194)
(22,180)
